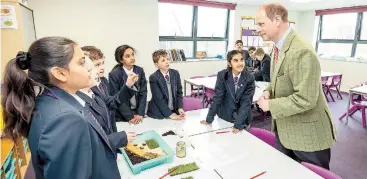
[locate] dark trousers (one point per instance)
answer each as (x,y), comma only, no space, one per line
(320,158)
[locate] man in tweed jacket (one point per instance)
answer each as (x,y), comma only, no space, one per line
(301,118)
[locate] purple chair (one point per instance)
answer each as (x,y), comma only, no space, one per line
(321,171)
(335,83)
(324,80)
(191,103)
(264,135)
(208,98)
(195,92)
(359,103)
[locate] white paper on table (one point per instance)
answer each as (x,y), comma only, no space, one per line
(248,169)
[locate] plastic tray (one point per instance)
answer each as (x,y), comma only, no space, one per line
(168,158)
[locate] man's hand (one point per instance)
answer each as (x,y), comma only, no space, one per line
(263,104)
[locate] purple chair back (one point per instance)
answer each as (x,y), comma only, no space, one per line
(264,135)
(324,80)
(336,80)
(321,171)
(191,103)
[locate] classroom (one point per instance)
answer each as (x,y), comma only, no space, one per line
(183,89)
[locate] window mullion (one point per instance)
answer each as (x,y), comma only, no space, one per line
(195,30)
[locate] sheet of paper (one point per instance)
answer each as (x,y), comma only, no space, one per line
(8,17)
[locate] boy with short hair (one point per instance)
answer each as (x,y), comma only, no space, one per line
(239,46)
(166,88)
(98,59)
(263,73)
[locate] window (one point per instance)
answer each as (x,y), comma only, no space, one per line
(364,27)
(333,29)
(361,51)
(186,46)
(338,40)
(193,28)
(212,22)
(212,48)
(176,20)
(335,49)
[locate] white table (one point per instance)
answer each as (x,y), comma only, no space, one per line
(191,125)
(362,90)
(209,82)
(218,155)
(329,74)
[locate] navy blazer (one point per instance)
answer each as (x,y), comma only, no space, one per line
(100,111)
(117,79)
(66,142)
(105,85)
(264,70)
(158,105)
(229,105)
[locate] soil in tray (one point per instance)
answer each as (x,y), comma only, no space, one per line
(135,159)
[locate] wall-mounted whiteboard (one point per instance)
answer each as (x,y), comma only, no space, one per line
(29,31)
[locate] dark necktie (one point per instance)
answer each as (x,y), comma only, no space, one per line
(167,78)
(100,87)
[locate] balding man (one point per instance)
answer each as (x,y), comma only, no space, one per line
(301,118)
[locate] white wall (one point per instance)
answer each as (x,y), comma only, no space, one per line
(104,24)
(353,73)
(306,26)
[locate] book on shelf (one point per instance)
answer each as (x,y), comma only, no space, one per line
(175,55)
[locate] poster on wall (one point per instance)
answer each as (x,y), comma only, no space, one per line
(8,17)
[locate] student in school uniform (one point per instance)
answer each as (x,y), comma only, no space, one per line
(234,90)
(239,47)
(65,139)
(98,59)
(97,106)
(132,111)
(101,89)
(166,88)
(263,74)
(250,60)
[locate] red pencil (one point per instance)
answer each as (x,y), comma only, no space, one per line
(222,132)
(262,173)
(168,173)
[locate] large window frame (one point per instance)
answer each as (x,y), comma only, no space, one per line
(194,37)
(357,36)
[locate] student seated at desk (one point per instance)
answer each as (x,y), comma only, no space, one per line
(166,88)
(251,59)
(132,111)
(263,73)
(100,110)
(234,90)
(239,47)
(41,105)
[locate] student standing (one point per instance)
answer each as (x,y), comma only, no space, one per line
(234,90)
(99,109)
(132,111)
(65,140)
(98,59)
(166,88)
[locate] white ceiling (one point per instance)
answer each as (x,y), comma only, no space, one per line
(302,4)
